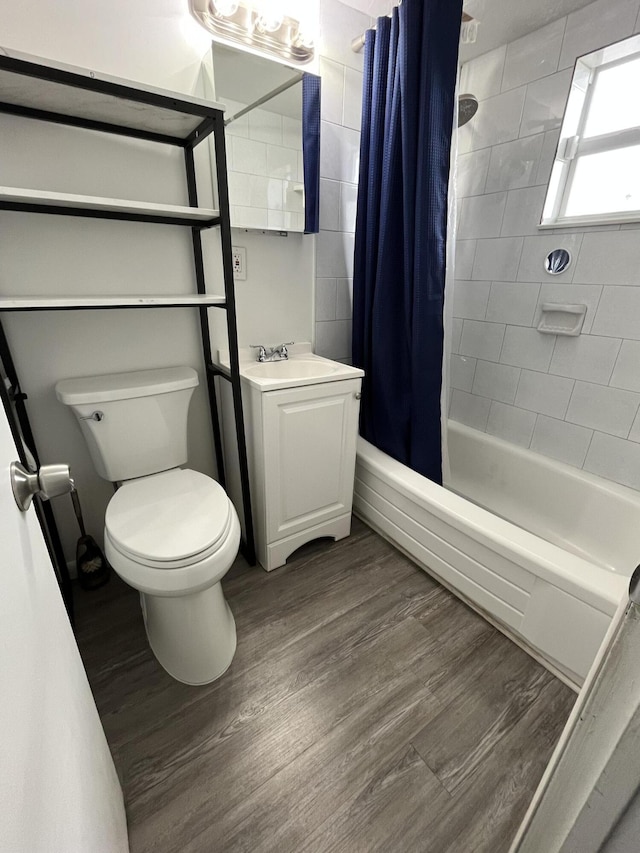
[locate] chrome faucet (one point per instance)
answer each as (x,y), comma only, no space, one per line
(276,353)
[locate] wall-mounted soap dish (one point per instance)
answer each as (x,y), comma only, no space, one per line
(559,319)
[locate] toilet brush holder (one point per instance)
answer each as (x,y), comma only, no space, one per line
(91,564)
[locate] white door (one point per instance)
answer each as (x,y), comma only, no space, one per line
(59,791)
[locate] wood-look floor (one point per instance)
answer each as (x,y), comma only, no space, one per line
(367,709)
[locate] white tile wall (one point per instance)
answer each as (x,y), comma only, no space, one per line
(560,440)
(522,211)
(470,299)
(332,74)
(482,216)
(543,393)
(545,102)
(596,25)
(326,299)
(472,171)
(339,152)
(333,340)
(586,357)
(626,373)
(602,408)
(482,340)
(334,255)
(499,118)
(329,204)
(609,257)
(483,76)
(533,56)
(512,302)
(615,459)
(573,399)
(352,108)
(524,347)
(344,298)
(462,370)
(348,206)
(514,164)
(618,313)
(465,252)
(469,409)
(497,381)
(341,72)
(512,424)
(497,259)
(456,334)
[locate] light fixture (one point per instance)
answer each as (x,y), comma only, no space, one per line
(225,8)
(269,16)
(259,24)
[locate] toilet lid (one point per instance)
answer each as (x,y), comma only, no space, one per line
(168,517)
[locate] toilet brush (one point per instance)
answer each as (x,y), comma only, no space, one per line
(92,566)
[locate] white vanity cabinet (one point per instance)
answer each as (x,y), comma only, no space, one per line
(301,444)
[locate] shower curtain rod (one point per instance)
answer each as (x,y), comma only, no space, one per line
(265,98)
(358,42)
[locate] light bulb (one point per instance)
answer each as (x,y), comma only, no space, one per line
(270,15)
(304,38)
(226,8)
(308,26)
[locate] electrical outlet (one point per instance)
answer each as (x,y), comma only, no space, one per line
(239,263)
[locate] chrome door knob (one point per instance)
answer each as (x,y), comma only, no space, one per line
(48,482)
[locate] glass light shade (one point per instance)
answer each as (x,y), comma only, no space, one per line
(225,7)
(270,15)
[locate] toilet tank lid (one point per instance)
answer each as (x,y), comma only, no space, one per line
(125,386)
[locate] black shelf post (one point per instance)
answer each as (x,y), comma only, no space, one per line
(232,327)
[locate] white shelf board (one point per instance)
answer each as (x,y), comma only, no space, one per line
(171,114)
(44,198)
(43,303)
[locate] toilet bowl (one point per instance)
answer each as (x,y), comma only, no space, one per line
(173,536)
(170,532)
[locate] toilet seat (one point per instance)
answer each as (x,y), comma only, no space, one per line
(169,520)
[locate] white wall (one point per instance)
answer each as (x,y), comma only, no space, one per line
(155,42)
(574,399)
(341,71)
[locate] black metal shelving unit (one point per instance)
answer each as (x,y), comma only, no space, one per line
(49,92)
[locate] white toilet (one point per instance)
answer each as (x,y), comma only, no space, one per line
(170,532)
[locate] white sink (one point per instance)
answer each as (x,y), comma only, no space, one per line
(303,367)
(293,368)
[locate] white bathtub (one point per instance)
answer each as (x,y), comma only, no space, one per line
(551,575)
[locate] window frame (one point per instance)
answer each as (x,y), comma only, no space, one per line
(572,145)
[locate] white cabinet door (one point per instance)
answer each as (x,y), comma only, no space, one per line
(309,451)
(58,788)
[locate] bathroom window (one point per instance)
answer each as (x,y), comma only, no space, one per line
(596,172)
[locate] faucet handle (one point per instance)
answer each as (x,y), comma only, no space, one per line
(281,349)
(262,355)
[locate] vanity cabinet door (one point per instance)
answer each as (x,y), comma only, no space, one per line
(309,450)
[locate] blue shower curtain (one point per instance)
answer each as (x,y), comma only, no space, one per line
(401,228)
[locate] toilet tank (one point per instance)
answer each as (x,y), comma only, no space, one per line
(134,423)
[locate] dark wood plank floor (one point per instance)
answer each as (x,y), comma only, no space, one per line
(367,709)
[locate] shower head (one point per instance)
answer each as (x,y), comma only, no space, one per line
(467,108)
